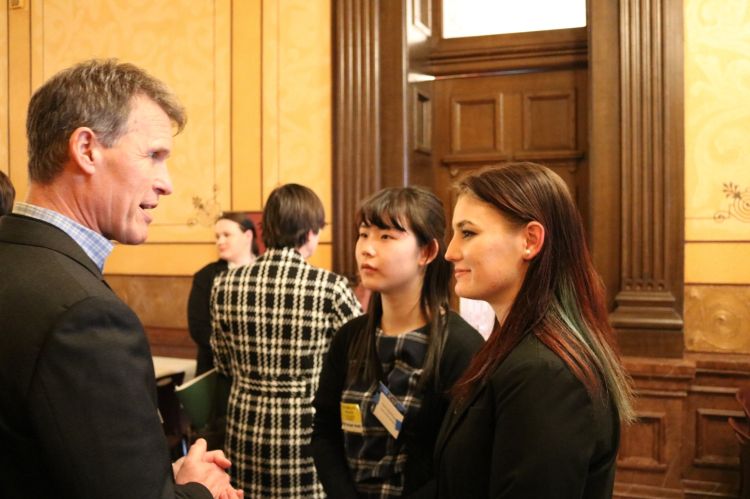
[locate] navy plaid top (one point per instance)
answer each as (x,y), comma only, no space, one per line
(375,458)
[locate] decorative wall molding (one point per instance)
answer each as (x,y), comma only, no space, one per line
(649,302)
(356,120)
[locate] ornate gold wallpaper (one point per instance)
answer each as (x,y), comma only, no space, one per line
(297,96)
(717,175)
(717,120)
(254,76)
(186,43)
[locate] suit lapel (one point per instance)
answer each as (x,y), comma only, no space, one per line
(456,414)
(18,229)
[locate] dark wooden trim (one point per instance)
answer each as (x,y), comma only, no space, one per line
(356,120)
(650,295)
(562,48)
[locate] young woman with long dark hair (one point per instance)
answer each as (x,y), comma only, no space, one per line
(537,412)
(408,344)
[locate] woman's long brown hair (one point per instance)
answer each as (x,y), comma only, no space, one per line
(561,299)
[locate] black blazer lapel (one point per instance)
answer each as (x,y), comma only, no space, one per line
(18,229)
(456,414)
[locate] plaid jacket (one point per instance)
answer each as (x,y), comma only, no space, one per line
(272,323)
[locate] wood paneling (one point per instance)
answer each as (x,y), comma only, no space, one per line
(645,445)
(681,445)
(562,48)
(486,120)
(649,301)
(356,134)
(549,120)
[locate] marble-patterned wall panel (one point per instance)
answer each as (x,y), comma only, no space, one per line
(717,318)
(159,302)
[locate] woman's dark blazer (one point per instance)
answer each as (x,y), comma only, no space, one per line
(199,312)
(530,431)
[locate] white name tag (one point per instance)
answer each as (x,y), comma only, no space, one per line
(389,411)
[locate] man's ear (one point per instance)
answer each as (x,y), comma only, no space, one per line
(428,253)
(84,149)
(534,234)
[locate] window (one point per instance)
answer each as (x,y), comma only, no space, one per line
(463,18)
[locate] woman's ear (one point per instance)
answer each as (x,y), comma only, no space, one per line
(83,149)
(428,253)
(534,235)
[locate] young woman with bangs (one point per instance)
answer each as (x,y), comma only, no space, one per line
(538,411)
(408,344)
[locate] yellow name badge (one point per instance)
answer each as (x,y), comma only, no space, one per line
(351,418)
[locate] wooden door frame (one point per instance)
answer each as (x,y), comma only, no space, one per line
(636,157)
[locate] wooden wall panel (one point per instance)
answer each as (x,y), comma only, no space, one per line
(476,124)
(549,120)
(682,445)
(485,120)
(644,444)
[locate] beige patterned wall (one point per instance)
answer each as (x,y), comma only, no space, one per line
(297,97)
(717,175)
(254,76)
(186,43)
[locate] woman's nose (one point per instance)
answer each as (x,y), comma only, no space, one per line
(451,252)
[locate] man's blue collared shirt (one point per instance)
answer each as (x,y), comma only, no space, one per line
(96,246)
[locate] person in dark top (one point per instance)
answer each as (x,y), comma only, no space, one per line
(408,345)
(537,412)
(236,241)
(7,194)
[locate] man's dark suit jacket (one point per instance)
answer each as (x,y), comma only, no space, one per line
(78,414)
(530,432)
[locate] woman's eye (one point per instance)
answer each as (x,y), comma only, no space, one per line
(466,234)
(362,235)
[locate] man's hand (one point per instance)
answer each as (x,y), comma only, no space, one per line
(206,468)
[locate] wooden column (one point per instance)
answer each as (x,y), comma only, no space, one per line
(356,122)
(648,305)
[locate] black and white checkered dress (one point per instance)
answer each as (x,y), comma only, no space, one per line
(272,324)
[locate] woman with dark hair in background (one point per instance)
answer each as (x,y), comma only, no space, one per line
(272,324)
(408,345)
(237,245)
(7,195)
(538,411)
